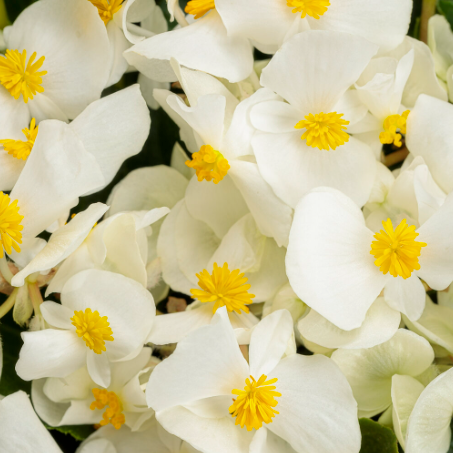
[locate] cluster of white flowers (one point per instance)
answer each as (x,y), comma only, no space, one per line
(321,279)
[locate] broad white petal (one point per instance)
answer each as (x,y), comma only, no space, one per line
(406,296)
(328,263)
(10,169)
(57,315)
(99,368)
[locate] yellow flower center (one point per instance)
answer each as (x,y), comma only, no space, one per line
(396,251)
(94,329)
(254,405)
(18,148)
(209,164)
(199,8)
(114,412)
(392,124)
(314,8)
(107,8)
(20,77)
(225,288)
(324,130)
(10,227)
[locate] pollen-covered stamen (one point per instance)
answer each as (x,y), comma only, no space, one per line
(209,164)
(313,8)
(396,251)
(114,412)
(199,8)
(254,405)
(324,130)
(107,8)
(393,124)
(10,225)
(20,77)
(21,149)
(93,328)
(225,288)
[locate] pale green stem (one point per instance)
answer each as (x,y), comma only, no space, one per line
(428,10)
(35,297)
(9,303)
(4,268)
(180,16)
(255,80)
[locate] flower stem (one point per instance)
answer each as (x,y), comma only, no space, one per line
(9,303)
(428,10)
(4,268)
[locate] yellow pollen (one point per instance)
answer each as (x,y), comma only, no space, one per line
(18,148)
(225,288)
(396,251)
(209,164)
(324,130)
(391,125)
(20,77)
(114,412)
(94,329)
(10,227)
(107,8)
(254,405)
(314,8)
(199,8)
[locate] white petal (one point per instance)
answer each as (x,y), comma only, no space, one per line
(406,296)
(380,324)
(206,363)
(63,242)
(77,64)
(429,424)
(328,263)
(114,128)
(108,293)
(436,259)
(274,116)
(118,44)
(50,353)
(370,371)
(405,392)
(49,411)
(123,372)
(57,315)
(45,192)
(300,422)
(21,428)
(99,368)
(269,341)
(10,169)
(266,441)
(203,45)
(292,168)
(314,80)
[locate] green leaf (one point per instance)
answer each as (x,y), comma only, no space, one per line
(78,432)
(446,8)
(376,438)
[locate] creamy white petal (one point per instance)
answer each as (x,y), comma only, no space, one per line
(99,368)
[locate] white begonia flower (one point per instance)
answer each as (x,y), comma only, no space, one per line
(110,129)
(66,69)
(412,195)
(220,55)
(93,326)
(370,371)
(217,130)
(313,82)
(430,136)
(268,24)
(191,392)
(20,428)
(102,250)
(440,41)
(78,400)
(146,189)
(152,438)
(338,266)
(429,423)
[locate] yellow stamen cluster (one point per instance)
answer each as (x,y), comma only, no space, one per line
(20,77)
(209,164)
(22,149)
(396,251)
(254,405)
(392,124)
(107,8)
(324,130)
(313,8)
(225,288)
(10,225)
(199,8)
(94,329)
(113,414)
